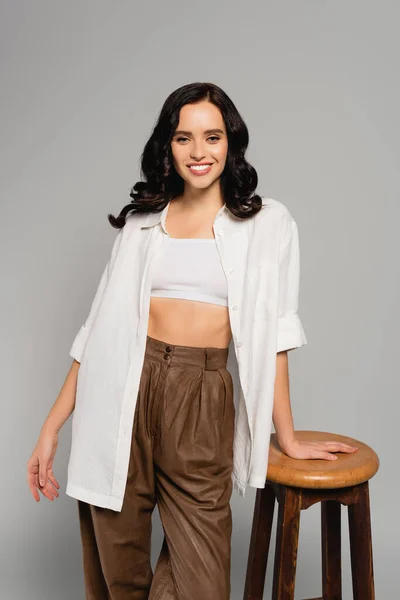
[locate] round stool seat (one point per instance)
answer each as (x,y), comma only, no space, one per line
(347,470)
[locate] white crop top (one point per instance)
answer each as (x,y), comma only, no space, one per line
(190,269)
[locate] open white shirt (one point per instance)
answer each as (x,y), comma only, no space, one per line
(260,258)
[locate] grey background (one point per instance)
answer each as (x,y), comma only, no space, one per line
(82,83)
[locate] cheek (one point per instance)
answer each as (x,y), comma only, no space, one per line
(178,160)
(220,155)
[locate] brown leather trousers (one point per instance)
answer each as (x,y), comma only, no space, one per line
(181,458)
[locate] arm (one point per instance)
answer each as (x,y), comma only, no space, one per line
(290,330)
(64,404)
(283,422)
(282,413)
(291,335)
(40,463)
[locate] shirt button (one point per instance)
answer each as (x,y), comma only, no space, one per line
(235,307)
(238,344)
(168,349)
(166,356)
(219,232)
(231,271)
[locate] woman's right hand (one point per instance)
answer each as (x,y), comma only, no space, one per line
(40,467)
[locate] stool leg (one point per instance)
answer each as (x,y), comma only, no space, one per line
(286,544)
(259,543)
(361,546)
(331,550)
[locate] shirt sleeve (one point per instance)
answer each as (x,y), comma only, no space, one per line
(81,337)
(290,329)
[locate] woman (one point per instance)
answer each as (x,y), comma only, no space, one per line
(200,264)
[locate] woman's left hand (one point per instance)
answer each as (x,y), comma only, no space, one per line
(304,449)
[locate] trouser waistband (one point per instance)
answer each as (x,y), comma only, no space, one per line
(174,354)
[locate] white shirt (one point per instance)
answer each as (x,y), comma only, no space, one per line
(260,258)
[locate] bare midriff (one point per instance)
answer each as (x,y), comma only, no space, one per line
(189,323)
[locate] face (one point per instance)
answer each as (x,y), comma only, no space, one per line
(200,139)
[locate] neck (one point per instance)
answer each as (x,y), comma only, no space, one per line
(192,199)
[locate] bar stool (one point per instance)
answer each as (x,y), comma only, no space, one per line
(296,485)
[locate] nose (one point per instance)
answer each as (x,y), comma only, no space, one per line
(196,151)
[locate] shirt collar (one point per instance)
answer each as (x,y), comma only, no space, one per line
(229,224)
(152,219)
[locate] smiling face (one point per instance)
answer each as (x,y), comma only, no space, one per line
(200,145)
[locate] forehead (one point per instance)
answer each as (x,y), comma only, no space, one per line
(200,116)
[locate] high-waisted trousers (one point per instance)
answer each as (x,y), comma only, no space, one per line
(181,459)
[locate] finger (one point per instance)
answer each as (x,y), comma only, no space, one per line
(32,486)
(349,449)
(31,477)
(51,491)
(42,473)
(323,455)
(53,479)
(46,491)
(52,488)
(34,492)
(329,456)
(338,447)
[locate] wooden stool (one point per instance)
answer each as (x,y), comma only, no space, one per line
(296,485)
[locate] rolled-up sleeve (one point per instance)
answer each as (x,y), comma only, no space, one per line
(290,329)
(81,337)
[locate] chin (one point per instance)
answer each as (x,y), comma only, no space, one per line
(201,182)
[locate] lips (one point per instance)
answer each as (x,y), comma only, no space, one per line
(200,169)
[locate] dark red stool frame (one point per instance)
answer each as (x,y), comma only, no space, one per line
(292,500)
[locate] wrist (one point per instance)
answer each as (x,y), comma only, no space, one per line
(287,442)
(49,429)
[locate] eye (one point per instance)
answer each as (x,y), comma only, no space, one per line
(211,137)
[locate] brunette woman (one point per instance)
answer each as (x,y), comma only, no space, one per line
(201,268)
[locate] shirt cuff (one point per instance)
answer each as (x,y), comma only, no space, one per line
(290,333)
(79,344)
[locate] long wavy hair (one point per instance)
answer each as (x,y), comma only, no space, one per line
(161,182)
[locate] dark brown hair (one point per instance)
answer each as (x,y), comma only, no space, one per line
(161,180)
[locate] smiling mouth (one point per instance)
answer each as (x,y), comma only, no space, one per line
(200,169)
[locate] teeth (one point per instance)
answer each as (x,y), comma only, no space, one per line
(199,167)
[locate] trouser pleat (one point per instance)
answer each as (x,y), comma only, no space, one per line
(181,459)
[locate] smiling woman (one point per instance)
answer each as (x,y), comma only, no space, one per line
(198,124)
(201,268)
(213,136)
(202,150)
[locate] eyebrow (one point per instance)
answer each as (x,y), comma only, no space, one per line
(207,131)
